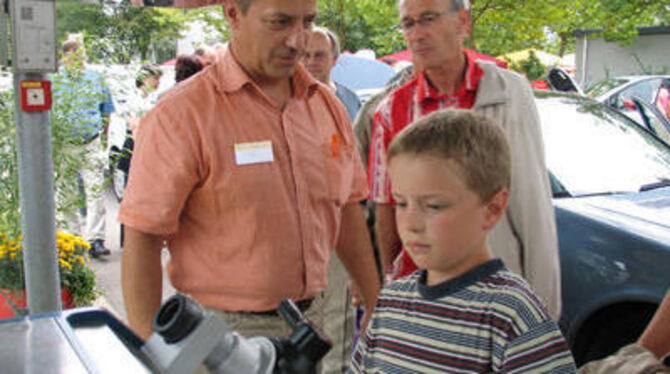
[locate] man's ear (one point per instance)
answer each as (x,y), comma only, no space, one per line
(232,13)
(495,207)
(465,26)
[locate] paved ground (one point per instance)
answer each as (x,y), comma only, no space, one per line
(108,268)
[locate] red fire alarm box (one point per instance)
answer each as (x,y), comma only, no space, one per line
(35,95)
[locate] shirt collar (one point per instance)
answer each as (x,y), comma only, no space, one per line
(473,74)
(470,277)
(229,76)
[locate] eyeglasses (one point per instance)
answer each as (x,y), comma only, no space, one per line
(426,19)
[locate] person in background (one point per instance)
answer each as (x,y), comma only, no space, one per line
(147,80)
(321,53)
(248,171)
(463,310)
(206,54)
(320,58)
(187,66)
(89,122)
(526,238)
(364,119)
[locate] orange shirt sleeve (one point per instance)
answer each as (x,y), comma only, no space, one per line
(164,169)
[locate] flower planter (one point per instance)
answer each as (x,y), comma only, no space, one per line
(18,299)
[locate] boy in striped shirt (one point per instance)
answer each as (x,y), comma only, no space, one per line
(463,311)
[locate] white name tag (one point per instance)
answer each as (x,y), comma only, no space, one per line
(253,153)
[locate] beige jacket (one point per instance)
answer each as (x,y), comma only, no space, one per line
(525,238)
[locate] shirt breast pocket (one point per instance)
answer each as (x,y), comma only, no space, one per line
(339,167)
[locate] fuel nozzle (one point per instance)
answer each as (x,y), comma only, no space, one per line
(304,348)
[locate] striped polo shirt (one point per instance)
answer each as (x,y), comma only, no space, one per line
(487,320)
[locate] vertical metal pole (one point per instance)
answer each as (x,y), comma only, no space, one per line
(36,191)
(34,52)
(3,34)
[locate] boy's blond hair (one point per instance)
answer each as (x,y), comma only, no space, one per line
(477,144)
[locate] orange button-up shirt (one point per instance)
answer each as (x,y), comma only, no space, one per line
(242,237)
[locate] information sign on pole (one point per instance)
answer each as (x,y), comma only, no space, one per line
(34,36)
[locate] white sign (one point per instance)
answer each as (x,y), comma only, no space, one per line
(34,36)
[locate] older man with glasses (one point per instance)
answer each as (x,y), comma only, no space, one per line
(526,237)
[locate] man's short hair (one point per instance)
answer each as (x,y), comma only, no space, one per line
(146,71)
(332,38)
(70,46)
(460,4)
(477,144)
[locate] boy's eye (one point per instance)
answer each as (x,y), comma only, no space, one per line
(400,204)
(435,207)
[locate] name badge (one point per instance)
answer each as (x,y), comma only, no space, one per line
(253,153)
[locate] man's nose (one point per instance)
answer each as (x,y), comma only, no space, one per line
(297,39)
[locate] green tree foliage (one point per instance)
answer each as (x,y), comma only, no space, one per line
(500,26)
(116,31)
(363,24)
(531,67)
(119,30)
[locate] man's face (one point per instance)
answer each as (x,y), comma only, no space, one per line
(433,31)
(318,58)
(74,60)
(270,38)
(152,82)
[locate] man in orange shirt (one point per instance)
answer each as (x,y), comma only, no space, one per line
(249,172)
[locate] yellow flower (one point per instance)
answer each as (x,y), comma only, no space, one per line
(12,255)
(64,264)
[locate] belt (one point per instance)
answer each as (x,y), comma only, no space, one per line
(302,305)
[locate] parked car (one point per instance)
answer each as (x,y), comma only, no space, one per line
(619,92)
(652,119)
(611,185)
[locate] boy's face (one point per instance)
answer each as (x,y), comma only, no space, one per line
(442,223)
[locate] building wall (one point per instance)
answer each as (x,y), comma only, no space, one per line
(597,59)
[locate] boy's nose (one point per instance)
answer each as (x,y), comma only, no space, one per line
(410,221)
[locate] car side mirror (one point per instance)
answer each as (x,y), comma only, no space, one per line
(560,80)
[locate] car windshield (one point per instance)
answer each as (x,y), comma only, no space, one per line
(601,87)
(592,150)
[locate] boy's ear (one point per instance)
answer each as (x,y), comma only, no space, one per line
(495,207)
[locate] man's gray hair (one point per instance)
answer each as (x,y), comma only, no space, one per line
(332,38)
(460,4)
(457,5)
